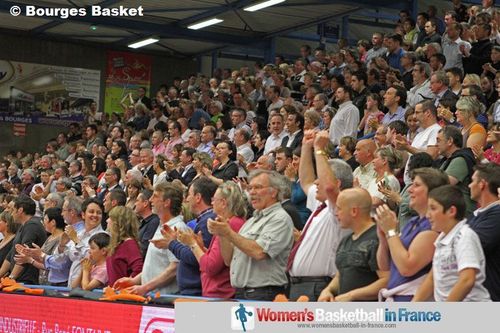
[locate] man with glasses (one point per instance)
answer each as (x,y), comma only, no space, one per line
(258,253)
(134,158)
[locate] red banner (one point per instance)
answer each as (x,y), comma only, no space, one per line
(125,72)
(37,314)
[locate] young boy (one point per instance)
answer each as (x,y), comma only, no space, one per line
(458,266)
(94,274)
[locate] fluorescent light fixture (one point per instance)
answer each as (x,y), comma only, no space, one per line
(204,24)
(143,42)
(262,5)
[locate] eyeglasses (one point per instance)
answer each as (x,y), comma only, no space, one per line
(256,187)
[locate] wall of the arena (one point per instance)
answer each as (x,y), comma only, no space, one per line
(70,54)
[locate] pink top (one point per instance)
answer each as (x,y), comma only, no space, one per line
(159,149)
(215,280)
(491,156)
(99,273)
(170,147)
(125,262)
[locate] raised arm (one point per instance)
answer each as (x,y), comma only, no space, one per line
(326,175)
(306,169)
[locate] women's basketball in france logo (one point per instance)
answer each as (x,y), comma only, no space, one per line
(242,318)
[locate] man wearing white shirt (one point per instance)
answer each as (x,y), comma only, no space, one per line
(425,141)
(238,118)
(243,147)
(346,120)
(277,133)
(207,137)
(294,125)
(311,264)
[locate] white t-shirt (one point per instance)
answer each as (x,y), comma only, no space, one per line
(157,260)
(373,187)
(456,251)
(427,137)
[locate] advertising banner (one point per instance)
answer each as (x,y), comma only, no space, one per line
(45,94)
(125,73)
(36,314)
(268,317)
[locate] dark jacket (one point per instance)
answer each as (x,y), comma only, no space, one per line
(188,177)
(227,172)
(480,54)
(297,141)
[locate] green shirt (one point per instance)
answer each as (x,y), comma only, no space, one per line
(272,229)
(458,169)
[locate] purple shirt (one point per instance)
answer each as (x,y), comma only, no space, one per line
(415,226)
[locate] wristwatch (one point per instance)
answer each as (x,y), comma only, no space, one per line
(391,233)
(321,152)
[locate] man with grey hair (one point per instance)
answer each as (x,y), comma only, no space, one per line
(257,255)
(27,181)
(311,264)
(193,139)
(421,84)
(207,136)
(64,259)
(63,185)
(439,86)
(53,200)
(146,166)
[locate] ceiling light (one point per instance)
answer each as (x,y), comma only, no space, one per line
(262,5)
(204,24)
(143,42)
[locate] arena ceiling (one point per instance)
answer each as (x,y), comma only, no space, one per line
(168,20)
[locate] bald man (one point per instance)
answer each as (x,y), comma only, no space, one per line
(364,155)
(358,277)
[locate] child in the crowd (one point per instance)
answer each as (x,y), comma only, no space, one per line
(458,266)
(94,274)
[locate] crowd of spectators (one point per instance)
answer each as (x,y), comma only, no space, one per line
(370,172)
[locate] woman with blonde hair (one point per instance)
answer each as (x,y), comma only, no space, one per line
(125,258)
(133,189)
(312,119)
(474,134)
(471,80)
(8,229)
(230,205)
(201,160)
(386,161)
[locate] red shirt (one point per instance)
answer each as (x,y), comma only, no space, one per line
(215,280)
(125,262)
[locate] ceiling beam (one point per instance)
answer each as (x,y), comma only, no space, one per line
(307,24)
(372,23)
(149,28)
(394,4)
(54,24)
